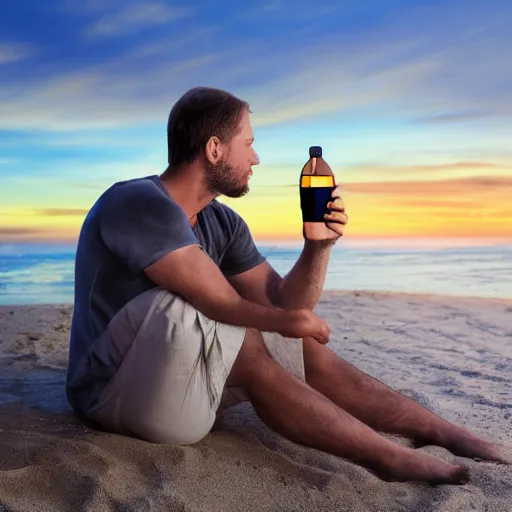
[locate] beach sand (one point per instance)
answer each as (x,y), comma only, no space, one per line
(452,354)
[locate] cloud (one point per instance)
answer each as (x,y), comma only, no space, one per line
(111,95)
(135,17)
(429,86)
(381,74)
(164,46)
(14,52)
(438,188)
(17,231)
(429,167)
(99,98)
(453,117)
(307,10)
(14,235)
(335,83)
(62,212)
(453,204)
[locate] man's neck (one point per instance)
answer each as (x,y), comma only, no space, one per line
(186,187)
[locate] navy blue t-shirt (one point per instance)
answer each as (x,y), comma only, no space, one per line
(132,225)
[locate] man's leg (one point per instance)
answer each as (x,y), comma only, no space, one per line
(383,409)
(166,365)
(295,410)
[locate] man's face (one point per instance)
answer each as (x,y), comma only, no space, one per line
(230,175)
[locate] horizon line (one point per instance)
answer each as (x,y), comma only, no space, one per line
(352,242)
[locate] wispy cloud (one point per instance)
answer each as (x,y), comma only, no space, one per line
(453,117)
(136,16)
(428,85)
(437,188)
(386,74)
(445,204)
(17,231)
(14,52)
(61,212)
(310,86)
(168,45)
(298,9)
(99,97)
(112,95)
(401,169)
(46,234)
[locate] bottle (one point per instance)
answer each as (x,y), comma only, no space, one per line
(316,186)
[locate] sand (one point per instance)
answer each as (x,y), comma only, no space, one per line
(452,354)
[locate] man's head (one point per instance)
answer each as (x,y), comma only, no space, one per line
(213,126)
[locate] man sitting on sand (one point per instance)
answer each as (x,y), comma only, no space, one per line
(178,316)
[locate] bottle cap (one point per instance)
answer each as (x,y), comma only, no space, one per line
(315,152)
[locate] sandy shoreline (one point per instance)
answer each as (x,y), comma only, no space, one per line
(454,354)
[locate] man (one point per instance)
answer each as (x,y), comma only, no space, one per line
(178,316)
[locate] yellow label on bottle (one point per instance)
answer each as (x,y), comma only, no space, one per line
(311,180)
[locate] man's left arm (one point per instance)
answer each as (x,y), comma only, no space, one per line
(303,285)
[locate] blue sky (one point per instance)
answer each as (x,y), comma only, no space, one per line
(393,90)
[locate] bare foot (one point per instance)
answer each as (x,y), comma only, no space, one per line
(475,448)
(410,466)
(501,453)
(465,444)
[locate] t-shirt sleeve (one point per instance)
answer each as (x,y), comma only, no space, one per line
(241,254)
(139,223)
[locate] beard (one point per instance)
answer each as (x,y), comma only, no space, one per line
(224,179)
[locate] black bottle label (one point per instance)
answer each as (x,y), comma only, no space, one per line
(315,193)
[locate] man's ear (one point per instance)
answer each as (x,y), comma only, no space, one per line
(213,150)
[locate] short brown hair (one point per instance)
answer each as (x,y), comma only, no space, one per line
(202,112)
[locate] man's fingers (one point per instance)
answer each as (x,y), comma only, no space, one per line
(320,338)
(337,217)
(335,224)
(336,192)
(336,205)
(322,332)
(325,333)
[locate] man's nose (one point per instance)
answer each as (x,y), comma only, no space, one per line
(255,158)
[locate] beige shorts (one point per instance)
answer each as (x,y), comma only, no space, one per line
(171,381)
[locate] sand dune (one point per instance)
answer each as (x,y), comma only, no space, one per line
(452,354)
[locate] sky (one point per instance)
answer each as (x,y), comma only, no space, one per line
(410,100)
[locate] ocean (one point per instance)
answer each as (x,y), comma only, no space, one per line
(43,274)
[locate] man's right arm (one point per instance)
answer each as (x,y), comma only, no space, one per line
(191,273)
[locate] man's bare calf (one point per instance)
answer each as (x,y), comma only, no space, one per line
(303,415)
(383,409)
